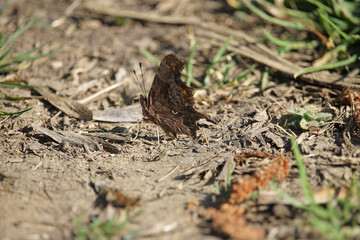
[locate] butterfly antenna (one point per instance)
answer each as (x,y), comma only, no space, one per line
(137,80)
(142,76)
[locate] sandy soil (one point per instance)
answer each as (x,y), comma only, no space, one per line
(48,185)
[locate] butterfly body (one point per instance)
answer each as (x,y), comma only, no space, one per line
(170,101)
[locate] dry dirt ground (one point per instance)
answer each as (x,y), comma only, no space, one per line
(49,186)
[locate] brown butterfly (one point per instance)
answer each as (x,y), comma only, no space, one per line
(170,101)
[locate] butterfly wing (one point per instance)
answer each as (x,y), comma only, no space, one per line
(171,102)
(168,73)
(177,121)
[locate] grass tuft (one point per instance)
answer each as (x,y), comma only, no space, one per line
(104,229)
(8,63)
(218,56)
(337,219)
(335,23)
(224,192)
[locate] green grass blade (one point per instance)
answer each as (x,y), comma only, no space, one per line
(340,23)
(290,44)
(224,192)
(342,63)
(305,185)
(227,66)
(163,154)
(325,228)
(222,50)
(6,98)
(190,63)
(28,53)
(226,70)
(26,57)
(81,232)
(111,227)
(322,6)
(300,16)
(218,56)
(3,113)
(150,56)
(2,39)
(347,205)
(13,69)
(333,54)
(15,35)
(228,179)
(243,74)
(264,79)
(51,53)
(99,229)
(346,9)
(334,26)
(6,53)
(223,59)
(217,186)
(324,24)
(5,42)
(277,21)
(292,201)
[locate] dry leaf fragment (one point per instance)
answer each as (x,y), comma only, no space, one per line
(279,142)
(261,116)
(132,114)
(352,99)
(229,164)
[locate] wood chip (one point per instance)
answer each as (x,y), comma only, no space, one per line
(70,107)
(71,137)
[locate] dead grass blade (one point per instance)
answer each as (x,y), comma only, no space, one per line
(97,7)
(247,47)
(242,44)
(228,167)
(102,93)
(205,166)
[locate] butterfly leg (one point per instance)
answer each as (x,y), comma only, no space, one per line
(158,133)
(138,128)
